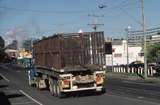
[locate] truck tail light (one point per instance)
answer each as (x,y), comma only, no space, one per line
(99,79)
(65,83)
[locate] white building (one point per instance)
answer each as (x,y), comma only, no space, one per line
(12,53)
(119,55)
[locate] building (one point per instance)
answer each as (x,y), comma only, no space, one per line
(136,38)
(12,53)
(135,46)
(119,53)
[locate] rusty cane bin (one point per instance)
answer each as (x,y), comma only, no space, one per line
(70,50)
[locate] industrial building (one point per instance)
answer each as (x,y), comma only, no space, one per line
(119,53)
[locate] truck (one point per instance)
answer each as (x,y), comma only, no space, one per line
(70,62)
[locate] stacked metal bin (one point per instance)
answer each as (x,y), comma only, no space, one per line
(70,50)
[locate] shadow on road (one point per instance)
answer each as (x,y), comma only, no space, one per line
(3,86)
(1,78)
(15,95)
(4,99)
(83,94)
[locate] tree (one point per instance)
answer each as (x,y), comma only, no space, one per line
(2,53)
(2,43)
(153,52)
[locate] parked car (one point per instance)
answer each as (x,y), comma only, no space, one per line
(136,64)
(157,67)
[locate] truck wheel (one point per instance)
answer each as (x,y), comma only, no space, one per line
(31,84)
(52,87)
(58,92)
(30,81)
(37,83)
(101,92)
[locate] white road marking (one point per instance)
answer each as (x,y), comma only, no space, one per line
(140,97)
(4,78)
(30,97)
(22,103)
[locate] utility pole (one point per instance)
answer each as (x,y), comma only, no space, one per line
(144,40)
(127,33)
(95,24)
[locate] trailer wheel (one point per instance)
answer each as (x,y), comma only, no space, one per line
(30,83)
(37,84)
(52,87)
(58,92)
(101,92)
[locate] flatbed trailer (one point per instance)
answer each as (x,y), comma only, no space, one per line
(75,62)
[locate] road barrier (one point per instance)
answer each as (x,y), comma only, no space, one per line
(132,70)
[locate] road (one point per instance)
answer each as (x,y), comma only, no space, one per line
(14,90)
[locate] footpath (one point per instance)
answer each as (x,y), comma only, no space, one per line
(134,78)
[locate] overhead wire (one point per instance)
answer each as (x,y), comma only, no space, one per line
(120,7)
(44,11)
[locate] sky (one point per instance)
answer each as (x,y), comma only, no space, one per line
(22,19)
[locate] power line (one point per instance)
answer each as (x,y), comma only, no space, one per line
(131,16)
(123,4)
(121,7)
(119,4)
(42,11)
(57,12)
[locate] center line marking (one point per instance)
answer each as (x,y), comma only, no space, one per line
(4,77)
(30,97)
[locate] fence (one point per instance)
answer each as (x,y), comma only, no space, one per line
(132,70)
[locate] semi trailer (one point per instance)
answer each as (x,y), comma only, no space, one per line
(71,62)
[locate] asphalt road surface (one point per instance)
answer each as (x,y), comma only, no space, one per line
(14,90)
